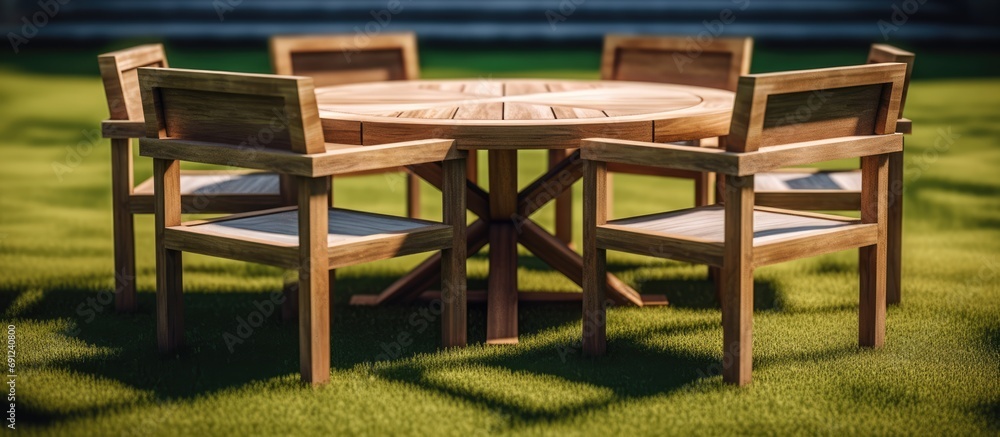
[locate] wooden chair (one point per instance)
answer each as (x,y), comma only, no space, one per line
(815,189)
(343,59)
(207,117)
(220,191)
(858,121)
(718,63)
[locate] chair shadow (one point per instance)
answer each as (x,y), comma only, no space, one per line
(236,338)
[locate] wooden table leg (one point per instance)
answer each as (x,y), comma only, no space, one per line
(501,299)
(550,250)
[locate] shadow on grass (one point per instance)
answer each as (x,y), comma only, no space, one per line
(234,338)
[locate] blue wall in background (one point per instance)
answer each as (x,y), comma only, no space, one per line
(520,22)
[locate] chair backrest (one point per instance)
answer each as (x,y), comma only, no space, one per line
(718,63)
(119,71)
(251,110)
(345,59)
(780,108)
(881,53)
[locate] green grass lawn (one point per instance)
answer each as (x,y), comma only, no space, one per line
(84,370)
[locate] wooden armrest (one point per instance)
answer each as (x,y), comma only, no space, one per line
(338,159)
(660,155)
(342,159)
(123,129)
(811,152)
(738,164)
(279,161)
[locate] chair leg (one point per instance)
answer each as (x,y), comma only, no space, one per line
(412,195)
(169,300)
(737,324)
(594,294)
(124,225)
(894,230)
(563,203)
(737,280)
(453,277)
(594,259)
(703,189)
(871,317)
(314,281)
(124,235)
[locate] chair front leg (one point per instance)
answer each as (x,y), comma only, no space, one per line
(314,297)
(737,280)
(453,278)
(872,259)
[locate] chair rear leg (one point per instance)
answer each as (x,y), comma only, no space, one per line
(894,230)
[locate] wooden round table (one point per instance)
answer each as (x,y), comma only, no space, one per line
(504,116)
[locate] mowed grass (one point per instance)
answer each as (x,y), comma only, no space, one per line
(84,370)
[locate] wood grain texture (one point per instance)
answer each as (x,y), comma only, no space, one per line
(737,281)
(314,291)
(346,58)
(453,277)
(501,318)
(253,111)
(824,103)
(120,78)
(123,224)
(595,213)
(717,63)
(169,285)
(872,258)
(525,113)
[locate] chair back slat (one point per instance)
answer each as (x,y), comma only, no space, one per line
(680,60)
(119,72)
(251,110)
(882,53)
(343,59)
(781,108)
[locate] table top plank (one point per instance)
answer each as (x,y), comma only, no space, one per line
(515,110)
(488,113)
(572,110)
(480,106)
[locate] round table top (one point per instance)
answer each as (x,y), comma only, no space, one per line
(522,113)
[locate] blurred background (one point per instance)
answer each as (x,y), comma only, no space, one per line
(85,27)
(513,22)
